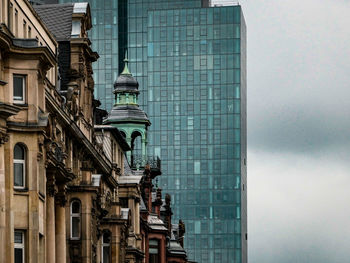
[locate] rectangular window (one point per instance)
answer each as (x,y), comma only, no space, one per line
(24,29)
(19,172)
(16,23)
(153,251)
(76,27)
(19,247)
(19,89)
(106,243)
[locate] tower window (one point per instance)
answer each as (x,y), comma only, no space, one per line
(75,215)
(19,166)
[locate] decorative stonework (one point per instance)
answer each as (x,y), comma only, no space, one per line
(60,196)
(4,137)
(87,166)
(41,143)
(75,248)
(53,150)
(51,186)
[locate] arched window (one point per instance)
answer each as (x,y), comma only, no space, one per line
(136,149)
(106,244)
(19,166)
(136,143)
(75,219)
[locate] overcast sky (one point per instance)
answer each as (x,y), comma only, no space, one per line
(298,130)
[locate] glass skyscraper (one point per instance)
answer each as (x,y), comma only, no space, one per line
(190,62)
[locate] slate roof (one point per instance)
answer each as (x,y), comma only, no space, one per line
(58,19)
(126,83)
(127,113)
(155,222)
(130,176)
(127,169)
(130,179)
(174,247)
(142,205)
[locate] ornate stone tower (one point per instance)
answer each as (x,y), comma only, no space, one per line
(127,116)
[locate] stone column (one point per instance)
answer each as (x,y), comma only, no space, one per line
(132,208)
(50,222)
(115,244)
(60,226)
(137,217)
(2,205)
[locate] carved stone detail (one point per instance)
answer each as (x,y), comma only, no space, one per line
(51,186)
(41,139)
(75,248)
(55,151)
(87,166)
(60,196)
(4,137)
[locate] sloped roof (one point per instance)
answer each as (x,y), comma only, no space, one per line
(130,179)
(129,176)
(126,83)
(155,222)
(58,18)
(127,113)
(81,8)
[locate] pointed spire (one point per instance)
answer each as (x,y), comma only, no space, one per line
(126,61)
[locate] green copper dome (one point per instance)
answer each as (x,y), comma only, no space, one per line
(126,108)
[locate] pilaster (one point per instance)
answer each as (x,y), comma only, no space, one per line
(50,220)
(60,225)
(2,206)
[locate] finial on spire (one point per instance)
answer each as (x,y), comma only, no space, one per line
(126,61)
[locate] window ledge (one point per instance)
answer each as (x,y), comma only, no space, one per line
(20,191)
(42,196)
(22,105)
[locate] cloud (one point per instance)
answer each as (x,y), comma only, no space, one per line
(298,209)
(298,74)
(298,130)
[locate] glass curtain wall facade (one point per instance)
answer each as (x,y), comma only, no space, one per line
(195,102)
(190,63)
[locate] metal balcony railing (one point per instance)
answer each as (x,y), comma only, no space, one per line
(139,161)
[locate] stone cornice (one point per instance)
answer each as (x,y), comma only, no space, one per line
(93,56)
(64,118)
(110,180)
(44,54)
(6,110)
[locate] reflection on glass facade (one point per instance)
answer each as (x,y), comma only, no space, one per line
(194,102)
(190,64)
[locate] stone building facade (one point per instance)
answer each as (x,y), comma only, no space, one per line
(67,192)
